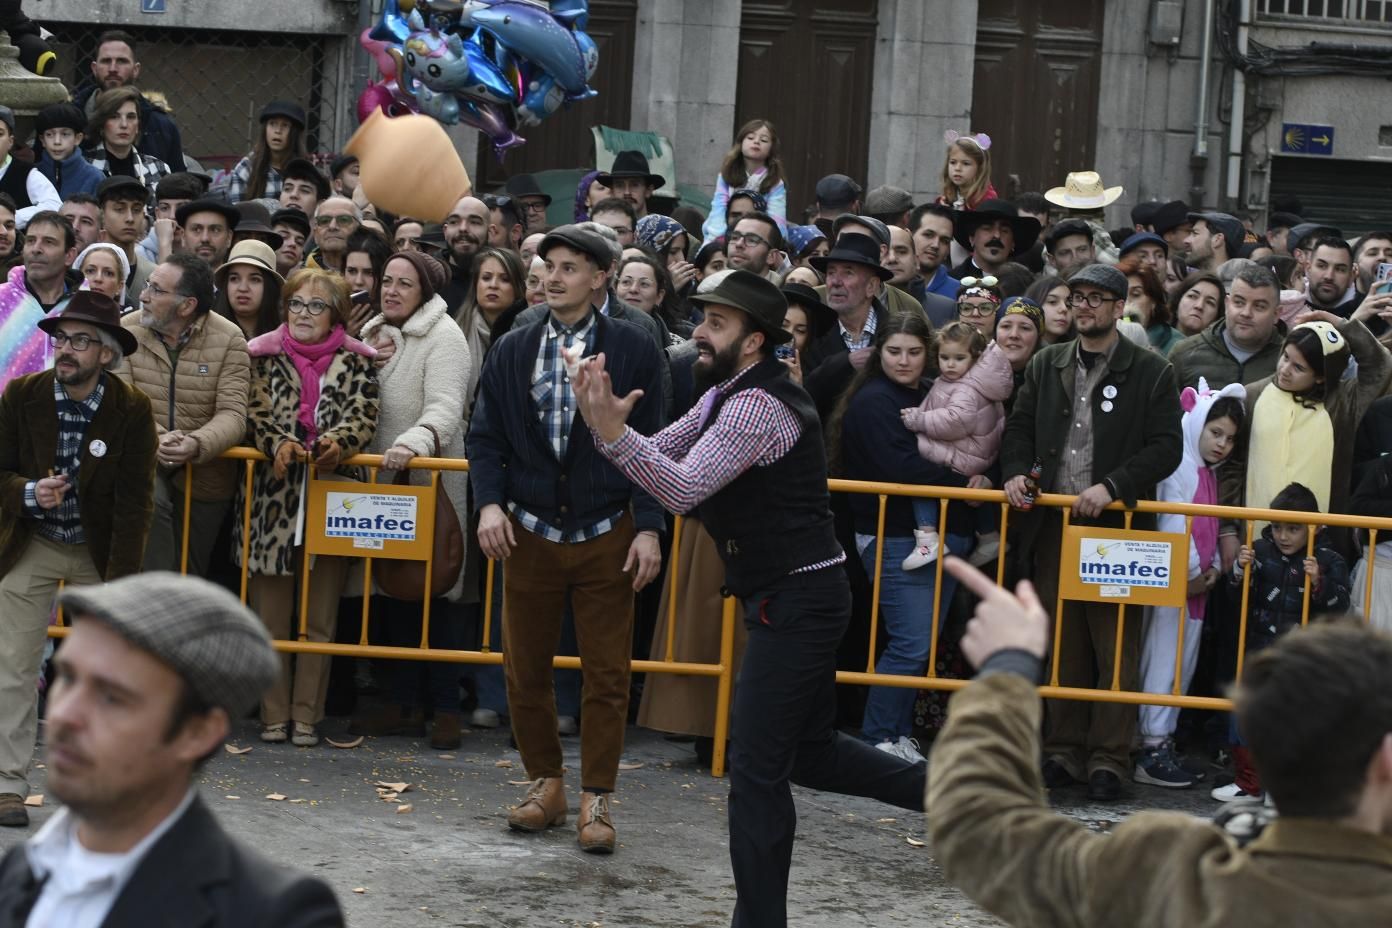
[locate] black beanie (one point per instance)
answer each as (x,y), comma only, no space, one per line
(60,116)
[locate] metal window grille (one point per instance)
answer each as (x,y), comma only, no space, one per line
(1333,12)
(214,83)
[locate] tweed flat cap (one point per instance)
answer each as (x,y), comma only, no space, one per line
(214,642)
(1103,277)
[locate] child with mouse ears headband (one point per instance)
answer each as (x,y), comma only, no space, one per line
(966,174)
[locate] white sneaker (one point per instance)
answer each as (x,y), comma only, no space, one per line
(1232,791)
(988,548)
(484,718)
(925,549)
(909,750)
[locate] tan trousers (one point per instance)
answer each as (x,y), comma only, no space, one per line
(26,602)
(538,577)
(276,601)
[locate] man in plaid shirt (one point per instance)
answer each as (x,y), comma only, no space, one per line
(750,455)
(77,459)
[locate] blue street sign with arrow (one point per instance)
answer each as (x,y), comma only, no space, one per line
(1298,138)
(152,6)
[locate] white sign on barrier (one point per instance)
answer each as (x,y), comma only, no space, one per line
(370,518)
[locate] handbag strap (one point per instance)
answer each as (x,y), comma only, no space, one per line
(437,439)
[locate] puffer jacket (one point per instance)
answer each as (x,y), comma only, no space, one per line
(204,397)
(1207,355)
(346,413)
(1278,587)
(426,382)
(959,423)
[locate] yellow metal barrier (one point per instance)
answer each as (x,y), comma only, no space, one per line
(723,669)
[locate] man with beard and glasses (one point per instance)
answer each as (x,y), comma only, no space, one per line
(1102,415)
(151,675)
(466,231)
(570,525)
(77,461)
(749,457)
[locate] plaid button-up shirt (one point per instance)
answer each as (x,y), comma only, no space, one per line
(148,170)
(867,334)
(553,398)
(63,524)
(239,179)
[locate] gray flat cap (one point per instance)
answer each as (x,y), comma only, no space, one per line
(1103,276)
(204,632)
(878,230)
(888,199)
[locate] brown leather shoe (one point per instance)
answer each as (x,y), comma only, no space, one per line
(12,811)
(595,827)
(389,720)
(544,807)
(445,731)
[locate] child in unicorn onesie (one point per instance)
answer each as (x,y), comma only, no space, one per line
(1210,425)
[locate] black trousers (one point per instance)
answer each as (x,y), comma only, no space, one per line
(785,710)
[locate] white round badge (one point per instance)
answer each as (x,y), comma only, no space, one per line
(1106,405)
(98,448)
(1109,391)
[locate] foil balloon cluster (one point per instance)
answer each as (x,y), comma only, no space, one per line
(496,65)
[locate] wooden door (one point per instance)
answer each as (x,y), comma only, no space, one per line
(1034,89)
(808,66)
(563,140)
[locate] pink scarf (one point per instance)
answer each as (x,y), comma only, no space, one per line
(311,361)
(1205,534)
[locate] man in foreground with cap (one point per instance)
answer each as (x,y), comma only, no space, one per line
(750,456)
(1315,711)
(571,526)
(993,233)
(1215,238)
(631,180)
(77,455)
(193,365)
(152,673)
(1101,415)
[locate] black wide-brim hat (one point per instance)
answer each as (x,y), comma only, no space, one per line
(821,316)
(757,297)
(966,222)
(525,185)
(853,248)
(631,164)
(94,309)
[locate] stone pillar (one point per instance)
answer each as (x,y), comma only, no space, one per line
(686,64)
(924,58)
(24,92)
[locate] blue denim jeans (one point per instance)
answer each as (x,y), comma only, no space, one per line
(906,607)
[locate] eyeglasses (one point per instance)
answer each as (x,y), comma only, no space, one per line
(1092,299)
(80,342)
(343,221)
(536,206)
(157,290)
(976,309)
(313,307)
(748,238)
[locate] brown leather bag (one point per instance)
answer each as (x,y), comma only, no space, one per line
(405,580)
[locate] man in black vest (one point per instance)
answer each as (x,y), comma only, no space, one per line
(750,455)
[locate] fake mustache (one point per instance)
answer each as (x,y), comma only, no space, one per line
(995,243)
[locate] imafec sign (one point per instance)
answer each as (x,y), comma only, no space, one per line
(1120,566)
(365,519)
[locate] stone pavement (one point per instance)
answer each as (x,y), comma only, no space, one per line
(451,860)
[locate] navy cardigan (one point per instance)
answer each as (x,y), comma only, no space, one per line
(876,446)
(510,457)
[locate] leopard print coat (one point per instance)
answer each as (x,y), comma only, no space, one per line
(347,414)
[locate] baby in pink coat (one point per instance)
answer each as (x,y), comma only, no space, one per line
(960,422)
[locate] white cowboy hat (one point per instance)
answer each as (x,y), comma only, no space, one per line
(1083,190)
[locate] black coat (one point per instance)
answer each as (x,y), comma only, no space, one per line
(195,876)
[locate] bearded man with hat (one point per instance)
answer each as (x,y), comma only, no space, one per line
(153,671)
(993,233)
(630,179)
(77,460)
(749,457)
(1084,196)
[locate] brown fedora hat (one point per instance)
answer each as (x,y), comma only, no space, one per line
(94,309)
(758,297)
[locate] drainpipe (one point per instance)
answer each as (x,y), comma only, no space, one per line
(1198,158)
(1236,133)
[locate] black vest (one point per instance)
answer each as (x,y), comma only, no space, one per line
(770,521)
(15,182)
